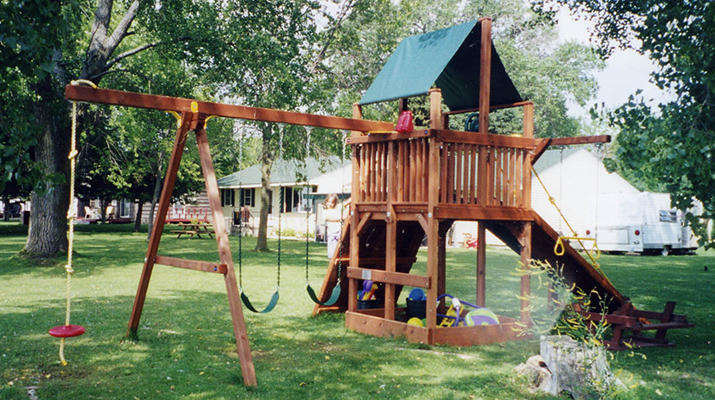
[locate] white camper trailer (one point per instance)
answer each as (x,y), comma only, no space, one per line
(642,223)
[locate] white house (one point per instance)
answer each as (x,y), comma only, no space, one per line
(298,182)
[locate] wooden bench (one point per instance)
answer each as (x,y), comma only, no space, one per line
(628,319)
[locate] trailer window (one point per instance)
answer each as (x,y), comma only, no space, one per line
(668,216)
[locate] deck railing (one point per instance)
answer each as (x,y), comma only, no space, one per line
(473,169)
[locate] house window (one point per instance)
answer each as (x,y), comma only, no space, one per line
(228,197)
(248,197)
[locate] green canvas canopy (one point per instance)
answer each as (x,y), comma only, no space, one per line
(447,58)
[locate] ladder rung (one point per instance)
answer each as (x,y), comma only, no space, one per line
(205,266)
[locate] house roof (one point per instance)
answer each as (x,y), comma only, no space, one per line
(552,157)
(283,173)
(448,58)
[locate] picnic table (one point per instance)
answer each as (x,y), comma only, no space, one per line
(194,229)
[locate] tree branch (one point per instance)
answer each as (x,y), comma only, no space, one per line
(122,28)
(128,53)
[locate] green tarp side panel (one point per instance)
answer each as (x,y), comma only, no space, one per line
(448,58)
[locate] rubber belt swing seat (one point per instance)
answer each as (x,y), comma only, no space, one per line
(271,304)
(334,295)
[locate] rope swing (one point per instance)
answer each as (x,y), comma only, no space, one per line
(69,330)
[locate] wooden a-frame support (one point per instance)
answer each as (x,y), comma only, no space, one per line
(194,115)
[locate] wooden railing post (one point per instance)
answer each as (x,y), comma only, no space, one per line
(354,219)
(432,201)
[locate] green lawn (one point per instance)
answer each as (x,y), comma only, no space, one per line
(187,347)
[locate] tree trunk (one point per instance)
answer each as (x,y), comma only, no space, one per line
(6,209)
(48,218)
(138,219)
(266,165)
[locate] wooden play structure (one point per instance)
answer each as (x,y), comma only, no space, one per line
(408,185)
(404,185)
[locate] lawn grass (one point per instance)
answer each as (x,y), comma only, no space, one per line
(187,349)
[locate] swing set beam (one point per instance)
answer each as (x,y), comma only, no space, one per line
(181,105)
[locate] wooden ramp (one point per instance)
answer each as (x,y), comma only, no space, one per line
(576,269)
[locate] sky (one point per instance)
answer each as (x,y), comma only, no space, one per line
(626,71)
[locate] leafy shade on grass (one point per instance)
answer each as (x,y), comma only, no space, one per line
(186,346)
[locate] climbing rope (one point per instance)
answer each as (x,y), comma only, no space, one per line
(69,330)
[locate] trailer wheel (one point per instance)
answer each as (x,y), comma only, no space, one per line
(665,252)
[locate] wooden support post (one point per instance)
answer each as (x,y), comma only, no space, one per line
(155,238)
(354,220)
(485,74)
(391,230)
(481,265)
(234,301)
(432,202)
(527,166)
(525,241)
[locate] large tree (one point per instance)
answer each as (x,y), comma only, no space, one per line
(673,144)
(42,47)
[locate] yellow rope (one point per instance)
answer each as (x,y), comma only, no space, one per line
(573,232)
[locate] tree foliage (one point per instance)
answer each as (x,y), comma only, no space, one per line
(674,145)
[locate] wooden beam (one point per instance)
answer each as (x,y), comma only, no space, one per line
(485,140)
(539,150)
(360,138)
(240,332)
(481,265)
(205,266)
(354,219)
(155,102)
(491,108)
(580,140)
(423,222)
(485,73)
(475,213)
(543,144)
(393,278)
(525,240)
(155,238)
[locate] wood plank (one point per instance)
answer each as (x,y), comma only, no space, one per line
(464,336)
(498,175)
(389,277)
(205,266)
(519,178)
(476,212)
(505,176)
(155,238)
(400,165)
(474,155)
(376,326)
(419,170)
(427,171)
(363,221)
(361,138)
(423,222)
(482,183)
(485,73)
(390,235)
(484,140)
(183,105)
(379,261)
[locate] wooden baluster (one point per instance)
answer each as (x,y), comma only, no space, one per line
(473,174)
(443,175)
(458,174)
(450,173)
